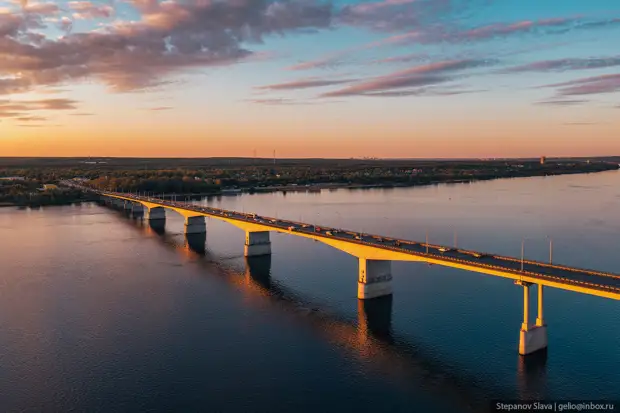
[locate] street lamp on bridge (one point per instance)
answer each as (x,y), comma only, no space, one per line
(523,250)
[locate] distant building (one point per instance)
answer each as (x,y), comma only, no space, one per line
(12,178)
(49,187)
(543,159)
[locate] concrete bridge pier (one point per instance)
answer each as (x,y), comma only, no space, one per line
(257,243)
(195,225)
(155,214)
(137,209)
(127,205)
(375,278)
(532,338)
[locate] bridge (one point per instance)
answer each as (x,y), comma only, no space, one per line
(375,254)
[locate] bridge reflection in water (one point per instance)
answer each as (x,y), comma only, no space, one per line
(532,376)
(370,338)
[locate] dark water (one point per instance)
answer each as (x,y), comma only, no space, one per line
(101,313)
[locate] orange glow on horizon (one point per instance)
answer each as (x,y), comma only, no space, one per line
(459,140)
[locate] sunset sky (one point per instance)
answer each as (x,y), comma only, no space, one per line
(307,78)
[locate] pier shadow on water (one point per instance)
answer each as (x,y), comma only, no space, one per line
(158,226)
(196,243)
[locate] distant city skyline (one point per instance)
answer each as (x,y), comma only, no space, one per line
(386,79)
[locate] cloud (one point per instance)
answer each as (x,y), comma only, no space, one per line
(502,29)
(431,91)
(589,85)
(403,58)
(417,76)
(9,114)
(304,84)
(168,38)
(435,33)
(327,62)
(20,108)
(566,64)
(38,126)
(391,15)
(44,9)
(51,91)
(160,108)
(289,102)
(278,101)
(562,102)
(54,104)
(31,119)
(84,10)
(579,123)
(82,114)
(386,83)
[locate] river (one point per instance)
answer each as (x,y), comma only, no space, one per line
(100,312)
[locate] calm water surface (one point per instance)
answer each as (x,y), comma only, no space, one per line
(102,313)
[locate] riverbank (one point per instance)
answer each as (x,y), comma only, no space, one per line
(42,204)
(425,181)
(328,180)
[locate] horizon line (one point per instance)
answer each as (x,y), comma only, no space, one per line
(315,158)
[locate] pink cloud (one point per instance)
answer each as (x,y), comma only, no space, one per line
(389,15)
(566,64)
(403,58)
(501,29)
(279,102)
(160,108)
(330,61)
(87,10)
(170,37)
(433,33)
(589,85)
(44,9)
(304,84)
(562,102)
(417,77)
(373,7)
(22,109)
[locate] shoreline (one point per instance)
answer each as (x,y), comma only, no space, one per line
(13,205)
(317,188)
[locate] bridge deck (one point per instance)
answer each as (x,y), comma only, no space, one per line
(575,279)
